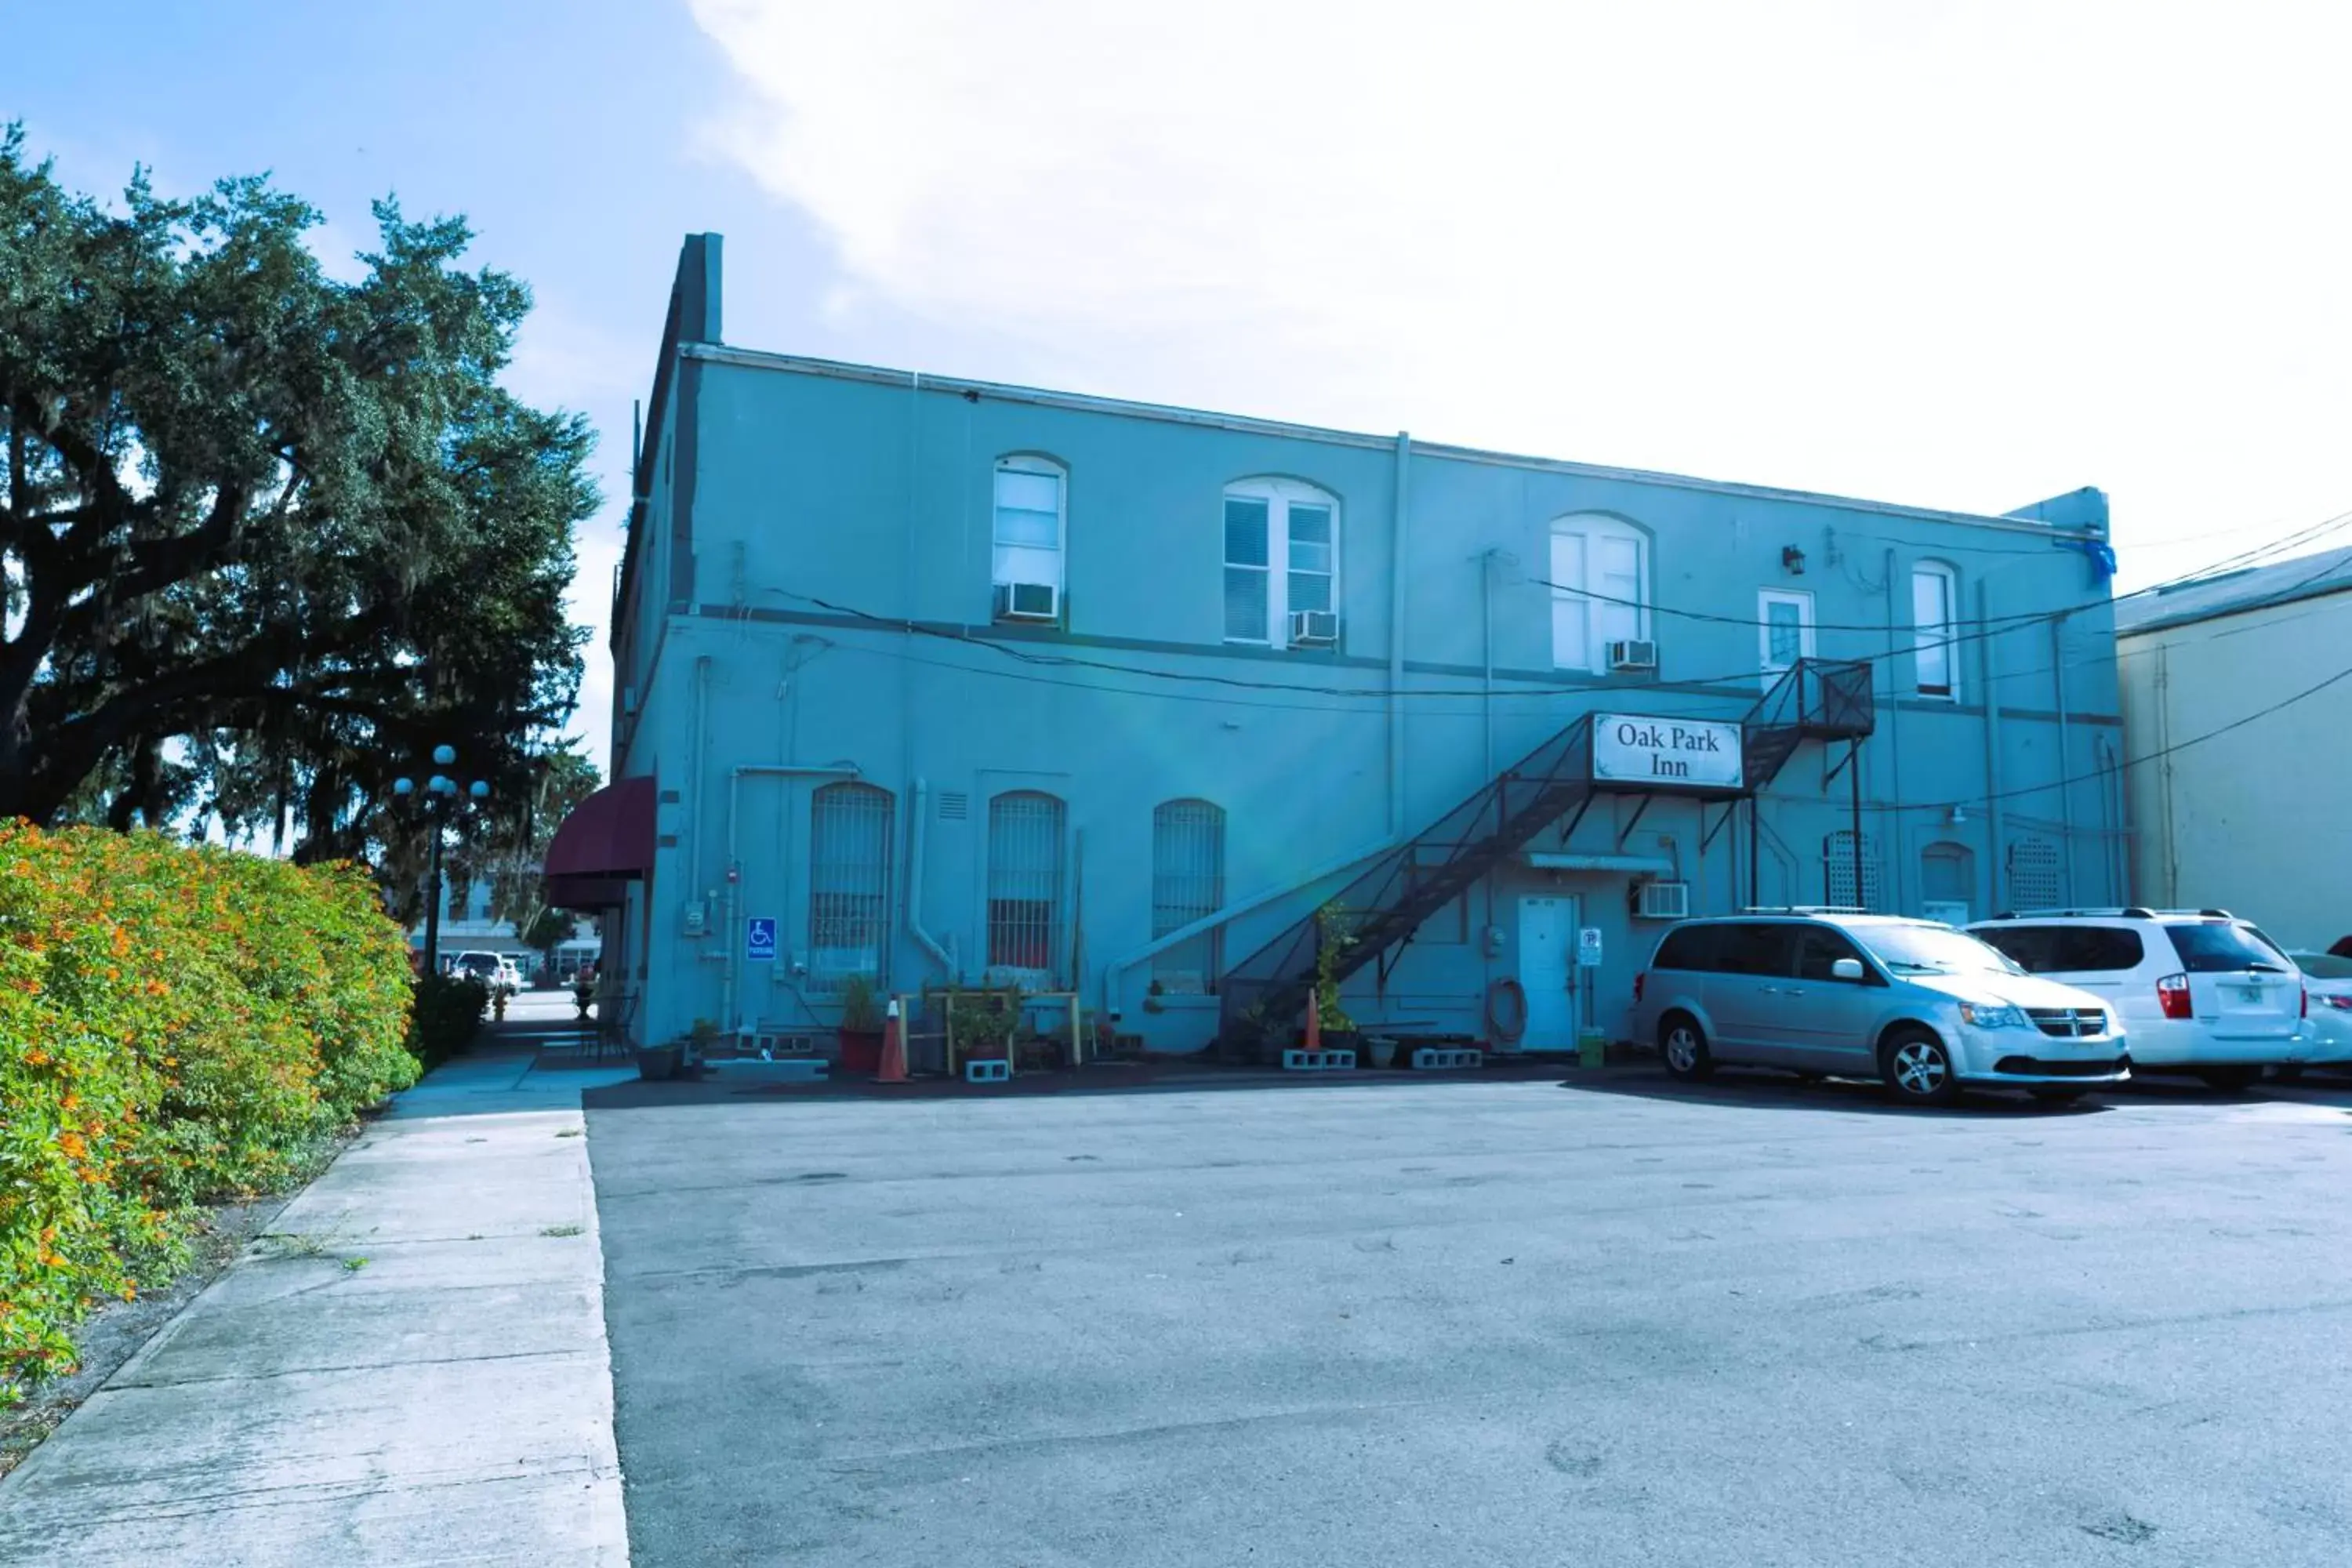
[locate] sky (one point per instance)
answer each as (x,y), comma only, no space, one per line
(1962,256)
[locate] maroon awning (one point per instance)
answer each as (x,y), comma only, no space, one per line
(606,843)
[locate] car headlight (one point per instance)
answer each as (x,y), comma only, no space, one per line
(1992,1016)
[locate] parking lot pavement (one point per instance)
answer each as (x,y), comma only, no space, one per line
(1469,1323)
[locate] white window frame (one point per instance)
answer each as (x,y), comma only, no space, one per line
(1765,599)
(1927,635)
(1594,654)
(1279,495)
(1039,466)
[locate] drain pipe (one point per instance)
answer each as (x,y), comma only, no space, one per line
(731,953)
(2065,757)
(1486,638)
(942,956)
(1397,540)
(1993,750)
(1894,835)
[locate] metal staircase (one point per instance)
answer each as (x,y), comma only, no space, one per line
(1263,996)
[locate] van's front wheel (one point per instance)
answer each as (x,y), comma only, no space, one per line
(1683,1044)
(1917,1068)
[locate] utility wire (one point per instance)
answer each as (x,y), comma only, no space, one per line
(1383,692)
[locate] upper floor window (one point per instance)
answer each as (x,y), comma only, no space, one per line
(1935,600)
(1028,537)
(1282,563)
(1600,589)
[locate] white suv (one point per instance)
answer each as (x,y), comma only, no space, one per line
(2200,991)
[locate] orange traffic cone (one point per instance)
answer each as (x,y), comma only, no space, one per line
(893,1068)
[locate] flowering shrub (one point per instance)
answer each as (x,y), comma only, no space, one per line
(175,1024)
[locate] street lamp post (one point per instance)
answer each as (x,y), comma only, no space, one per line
(440,793)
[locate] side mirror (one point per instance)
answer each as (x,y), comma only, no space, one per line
(1846,969)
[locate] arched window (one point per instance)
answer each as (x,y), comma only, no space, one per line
(1935,614)
(1600,589)
(1028,537)
(1282,563)
(1026,831)
(1947,880)
(1840,889)
(849,882)
(1188,884)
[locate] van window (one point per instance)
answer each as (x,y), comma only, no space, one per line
(1818,948)
(1689,948)
(1754,949)
(2211,947)
(2068,950)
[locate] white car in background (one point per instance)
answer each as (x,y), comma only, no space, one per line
(2200,991)
(2328,978)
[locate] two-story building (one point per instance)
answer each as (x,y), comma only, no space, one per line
(933,679)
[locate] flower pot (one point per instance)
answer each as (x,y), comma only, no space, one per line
(1379,1051)
(861,1050)
(1339,1039)
(657,1064)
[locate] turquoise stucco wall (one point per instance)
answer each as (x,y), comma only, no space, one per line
(829,509)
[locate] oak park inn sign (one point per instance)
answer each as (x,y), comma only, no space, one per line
(1665,753)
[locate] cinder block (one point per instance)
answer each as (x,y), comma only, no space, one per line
(987,1070)
(1296,1060)
(1339,1062)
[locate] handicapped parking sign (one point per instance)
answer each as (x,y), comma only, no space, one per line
(760,940)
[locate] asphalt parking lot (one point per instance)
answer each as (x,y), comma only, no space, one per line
(1464,1322)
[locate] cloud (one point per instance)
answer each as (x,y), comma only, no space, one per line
(1961,255)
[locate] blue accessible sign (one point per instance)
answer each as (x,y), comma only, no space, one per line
(760,940)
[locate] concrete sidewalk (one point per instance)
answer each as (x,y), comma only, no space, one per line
(447,1400)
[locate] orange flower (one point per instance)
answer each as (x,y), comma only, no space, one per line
(73,1145)
(36,1058)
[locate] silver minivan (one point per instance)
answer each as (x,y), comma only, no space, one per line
(1919,1005)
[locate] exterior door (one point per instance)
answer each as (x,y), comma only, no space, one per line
(1784,625)
(1548,973)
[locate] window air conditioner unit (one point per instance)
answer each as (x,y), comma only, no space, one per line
(1631,654)
(1666,900)
(1314,628)
(1028,601)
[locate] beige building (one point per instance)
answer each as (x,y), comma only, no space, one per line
(2229,811)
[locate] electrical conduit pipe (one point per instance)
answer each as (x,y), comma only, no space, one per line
(923,939)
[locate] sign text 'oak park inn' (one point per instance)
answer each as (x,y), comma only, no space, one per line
(1666,754)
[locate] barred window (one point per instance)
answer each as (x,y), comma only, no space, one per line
(1837,872)
(1026,832)
(1188,884)
(2033,875)
(849,882)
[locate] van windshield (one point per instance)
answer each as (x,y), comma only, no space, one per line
(1931,950)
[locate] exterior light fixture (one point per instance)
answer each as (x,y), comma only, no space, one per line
(1792,560)
(1957,816)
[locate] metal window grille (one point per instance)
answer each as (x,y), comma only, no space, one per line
(1025,884)
(849,882)
(1837,872)
(2034,879)
(1188,884)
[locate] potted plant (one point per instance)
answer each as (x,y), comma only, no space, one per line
(861,1027)
(1333,939)
(1152,997)
(1379,1051)
(984,1025)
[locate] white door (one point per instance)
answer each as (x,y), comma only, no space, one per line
(1546,960)
(1784,626)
